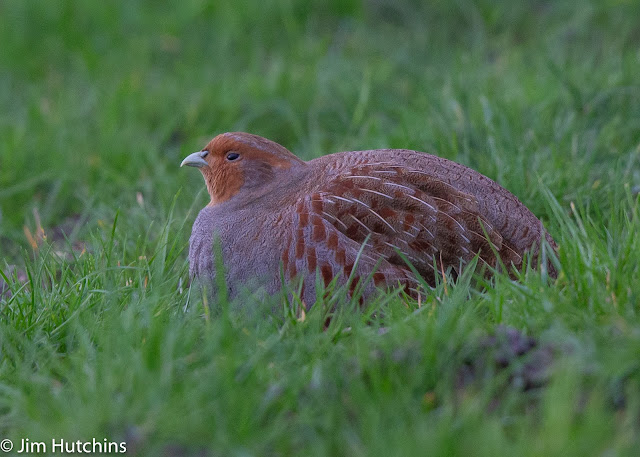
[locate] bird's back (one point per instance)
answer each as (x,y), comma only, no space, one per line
(455,187)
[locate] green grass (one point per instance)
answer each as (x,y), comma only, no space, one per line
(99,102)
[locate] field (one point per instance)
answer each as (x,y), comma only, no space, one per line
(100,336)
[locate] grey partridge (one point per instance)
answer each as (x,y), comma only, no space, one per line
(349,215)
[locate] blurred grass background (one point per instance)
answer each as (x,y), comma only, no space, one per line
(101,100)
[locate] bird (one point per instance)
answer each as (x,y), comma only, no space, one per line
(384,216)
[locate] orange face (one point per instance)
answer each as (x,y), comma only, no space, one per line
(232,161)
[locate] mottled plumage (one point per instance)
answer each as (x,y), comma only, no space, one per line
(272,210)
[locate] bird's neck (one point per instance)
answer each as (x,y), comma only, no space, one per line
(258,183)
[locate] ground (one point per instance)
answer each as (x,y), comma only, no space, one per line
(100,336)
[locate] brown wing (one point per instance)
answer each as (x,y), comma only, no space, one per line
(397,209)
(316,245)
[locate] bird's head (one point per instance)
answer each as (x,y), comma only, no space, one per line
(240,163)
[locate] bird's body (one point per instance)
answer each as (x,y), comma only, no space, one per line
(275,213)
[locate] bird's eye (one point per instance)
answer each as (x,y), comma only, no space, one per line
(232,156)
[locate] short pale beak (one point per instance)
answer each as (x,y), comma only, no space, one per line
(196,159)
